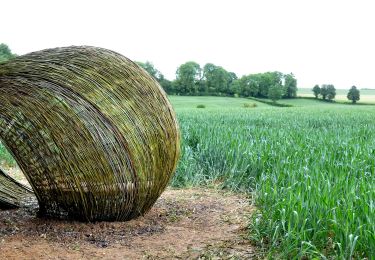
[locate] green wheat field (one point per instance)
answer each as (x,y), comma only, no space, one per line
(308,169)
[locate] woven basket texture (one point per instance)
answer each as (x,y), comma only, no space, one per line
(93,133)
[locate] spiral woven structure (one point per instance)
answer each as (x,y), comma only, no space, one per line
(93,133)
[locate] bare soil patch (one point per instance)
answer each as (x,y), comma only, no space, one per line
(183,224)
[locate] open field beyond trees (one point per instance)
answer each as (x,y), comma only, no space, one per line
(309,169)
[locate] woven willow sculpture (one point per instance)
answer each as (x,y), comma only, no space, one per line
(93,133)
(12,193)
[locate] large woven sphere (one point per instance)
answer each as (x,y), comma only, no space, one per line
(94,134)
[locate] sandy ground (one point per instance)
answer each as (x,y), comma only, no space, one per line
(183,224)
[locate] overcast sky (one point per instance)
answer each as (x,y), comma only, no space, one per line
(319,41)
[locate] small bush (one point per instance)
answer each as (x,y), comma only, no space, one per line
(201,106)
(246,105)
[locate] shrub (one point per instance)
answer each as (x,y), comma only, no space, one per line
(247,105)
(201,106)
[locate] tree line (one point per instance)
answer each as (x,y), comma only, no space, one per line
(212,80)
(328,92)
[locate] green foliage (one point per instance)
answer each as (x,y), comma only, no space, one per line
(314,199)
(235,88)
(327,91)
(232,79)
(258,85)
(213,80)
(6,159)
(248,87)
(353,94)
(217,80)
(324,91)
(266,80)
(367,95)
(167,85)
(5,53)
(201,106)
(275,92)
(164,83)
(331,92)
(188,78)
(290,86)
(316,91)
(149,67)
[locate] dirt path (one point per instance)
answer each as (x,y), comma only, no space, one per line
(183,224)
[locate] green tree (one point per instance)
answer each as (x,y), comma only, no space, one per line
(324,91)
(156,74)
(217,79)
(331,92)
(5,53)
(167,85)
(353,94)
(275,92)
(248,86)
(316,90)
(235,87)
(290,86)
(232,79)
(188,78)
(266,80)
(150,68)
